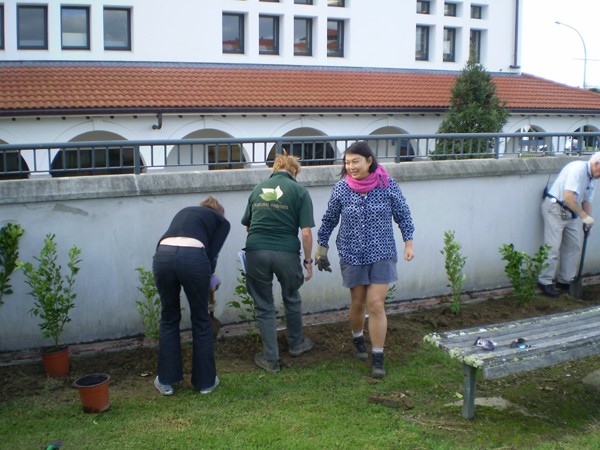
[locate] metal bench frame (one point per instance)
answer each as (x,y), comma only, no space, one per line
(552,340)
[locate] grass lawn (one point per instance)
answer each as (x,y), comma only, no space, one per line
(314,403)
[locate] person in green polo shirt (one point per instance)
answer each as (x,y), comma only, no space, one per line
(277,208)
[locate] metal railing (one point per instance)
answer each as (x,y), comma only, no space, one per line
(118,157)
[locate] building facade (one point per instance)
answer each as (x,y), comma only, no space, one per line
(100,70)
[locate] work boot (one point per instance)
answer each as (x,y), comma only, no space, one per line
(548,290)
(360,349)
(306,345)
(263,363)
(563,286)
(377,369)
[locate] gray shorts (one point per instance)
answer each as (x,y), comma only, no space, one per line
(380,272)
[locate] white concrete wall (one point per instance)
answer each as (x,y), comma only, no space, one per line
(117,220)
(378,33)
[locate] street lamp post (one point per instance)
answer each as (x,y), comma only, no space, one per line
(584,50)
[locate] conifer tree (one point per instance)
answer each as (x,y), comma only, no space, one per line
(474,108)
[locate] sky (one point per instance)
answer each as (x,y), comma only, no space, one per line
(555,51)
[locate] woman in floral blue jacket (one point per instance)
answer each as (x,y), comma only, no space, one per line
(366,200)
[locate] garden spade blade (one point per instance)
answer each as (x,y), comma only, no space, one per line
(576,286)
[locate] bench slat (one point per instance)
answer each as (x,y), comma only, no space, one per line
(553,339)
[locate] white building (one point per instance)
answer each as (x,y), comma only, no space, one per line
(148,69)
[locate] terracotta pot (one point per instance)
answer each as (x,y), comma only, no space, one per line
(93,392)
(56,361)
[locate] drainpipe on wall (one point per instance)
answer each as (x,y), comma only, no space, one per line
(158,126)
(515,64)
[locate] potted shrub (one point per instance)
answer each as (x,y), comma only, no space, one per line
(54,298)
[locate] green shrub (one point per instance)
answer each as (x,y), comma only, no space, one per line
(53,296)
(9,255)
(454,264)
(523,270)
(149,307)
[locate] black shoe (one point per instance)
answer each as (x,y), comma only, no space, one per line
(360,349)
(548,290)
(377,369)
(563,286)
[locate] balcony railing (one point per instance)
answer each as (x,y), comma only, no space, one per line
(119,157)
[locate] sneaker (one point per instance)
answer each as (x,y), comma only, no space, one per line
(263,363)
(307,344)
(563,286)
(548,290)
(377,370)
(208,390)
(360,349)
(164,389)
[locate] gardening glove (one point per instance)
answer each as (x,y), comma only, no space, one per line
(215,282)
(588,221)
(321,259)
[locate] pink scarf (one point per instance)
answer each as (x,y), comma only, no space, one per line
(377,178)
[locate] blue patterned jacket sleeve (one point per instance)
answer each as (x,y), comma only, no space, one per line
(401,212)
(331,216)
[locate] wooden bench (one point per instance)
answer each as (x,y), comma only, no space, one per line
(552,339)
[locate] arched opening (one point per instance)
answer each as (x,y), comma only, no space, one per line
(590,143)
(215,156)
(529,145)
(391,150)
(98,160)
(311,153)
(12,165)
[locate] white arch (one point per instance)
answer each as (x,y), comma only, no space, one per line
(93,125)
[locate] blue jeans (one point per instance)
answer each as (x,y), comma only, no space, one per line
(261,265)
(174,268)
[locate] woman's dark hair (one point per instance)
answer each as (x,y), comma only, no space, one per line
(360,148)
(212,203)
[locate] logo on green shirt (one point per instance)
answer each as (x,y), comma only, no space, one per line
(270,194)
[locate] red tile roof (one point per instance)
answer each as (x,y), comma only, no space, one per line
(54,88)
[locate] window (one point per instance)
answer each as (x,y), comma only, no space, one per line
(341,3)
(475,46)
(75,27)
(450,9)
(12,165)
(423,7)
(117,29)
(73,162)
(303,37)
(268,35)
(1,27)
(233,33)
(335,38)
(476,12)
(225,156)
(303,2)
(32,27)
(449,44)
(422,43)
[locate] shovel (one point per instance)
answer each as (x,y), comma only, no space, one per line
(576,286)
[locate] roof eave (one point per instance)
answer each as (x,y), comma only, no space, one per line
(219,110)
(63,112)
